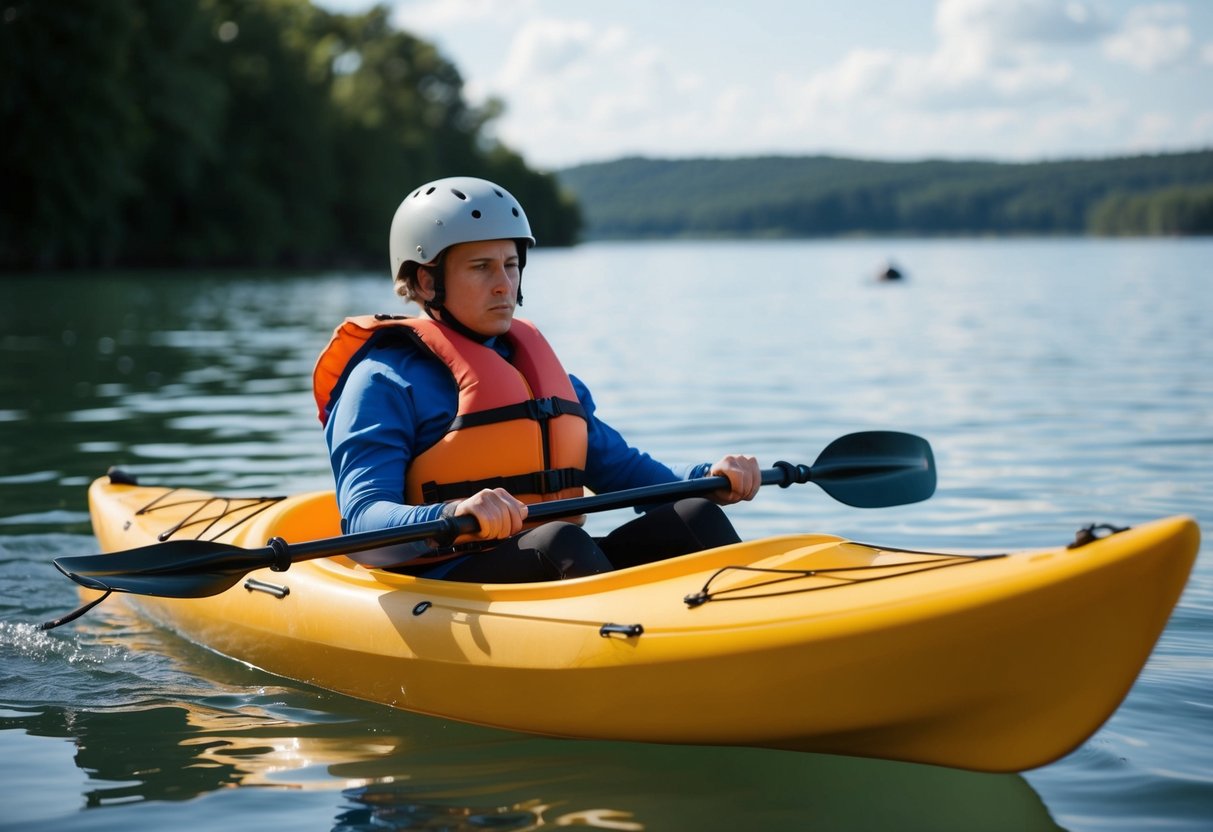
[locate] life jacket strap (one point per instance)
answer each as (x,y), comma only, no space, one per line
(538,410)
(538,482)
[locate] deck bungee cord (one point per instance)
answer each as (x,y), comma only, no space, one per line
(251,506)
(842,575)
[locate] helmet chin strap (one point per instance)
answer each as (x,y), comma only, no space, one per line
(436,309)
(444,315)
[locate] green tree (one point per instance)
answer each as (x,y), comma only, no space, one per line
(229,132)
(180,141)
(1173,211)
(267,197)
(71,131)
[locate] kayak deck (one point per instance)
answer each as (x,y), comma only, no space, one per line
(806,642)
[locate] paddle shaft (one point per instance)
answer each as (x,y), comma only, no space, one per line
(194,568)
(448,528)
(869,469)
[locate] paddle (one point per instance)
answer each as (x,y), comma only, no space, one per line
(869,470)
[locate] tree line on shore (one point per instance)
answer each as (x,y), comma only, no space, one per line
(275,133)
(230,132)
(780,196)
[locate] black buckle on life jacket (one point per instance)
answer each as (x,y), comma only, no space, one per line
(553,480)
(543,409)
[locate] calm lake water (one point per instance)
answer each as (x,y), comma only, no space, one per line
(1061,382)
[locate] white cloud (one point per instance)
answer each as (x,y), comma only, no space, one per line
(1150,127)
(997,69)
(998,24)
(1000,52)
(544,49)
(863,73)
(590,90)
(431,17)
(1153,37)
(1202,128)
(987,56)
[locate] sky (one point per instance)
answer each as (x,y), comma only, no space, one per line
(1012,80)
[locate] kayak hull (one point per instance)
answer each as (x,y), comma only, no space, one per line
(999,663)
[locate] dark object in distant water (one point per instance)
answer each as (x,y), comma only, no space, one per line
(889,271)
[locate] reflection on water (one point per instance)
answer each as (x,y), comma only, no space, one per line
(400,772)
(380,809)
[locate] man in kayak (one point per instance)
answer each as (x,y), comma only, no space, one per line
(468,411)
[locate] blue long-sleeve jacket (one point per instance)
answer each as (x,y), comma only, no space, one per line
(399,400)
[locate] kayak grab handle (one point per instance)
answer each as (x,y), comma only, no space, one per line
(629,630)
(1091,533)
(277,590)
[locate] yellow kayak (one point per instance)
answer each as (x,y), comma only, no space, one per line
(806,642)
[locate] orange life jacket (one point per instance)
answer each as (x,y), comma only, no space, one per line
(518,423)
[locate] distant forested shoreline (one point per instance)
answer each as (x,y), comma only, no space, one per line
(814,196)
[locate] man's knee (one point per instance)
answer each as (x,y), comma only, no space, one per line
(569,548)
(707,522)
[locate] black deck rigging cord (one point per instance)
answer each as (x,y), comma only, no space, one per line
(939,562)
(252,505)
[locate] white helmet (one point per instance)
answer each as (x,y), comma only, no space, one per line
(460,209)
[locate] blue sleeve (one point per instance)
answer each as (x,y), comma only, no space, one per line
(612,464)
(380,422)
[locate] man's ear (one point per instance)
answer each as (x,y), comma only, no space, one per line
(425,284)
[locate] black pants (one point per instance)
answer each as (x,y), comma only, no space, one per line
(562,550)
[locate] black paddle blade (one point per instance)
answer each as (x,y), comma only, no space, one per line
(175,569)
(876,469)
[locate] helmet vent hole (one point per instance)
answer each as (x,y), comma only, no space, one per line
(499,193)
(459,194)
(514,211)
(475,215)
(430,191)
